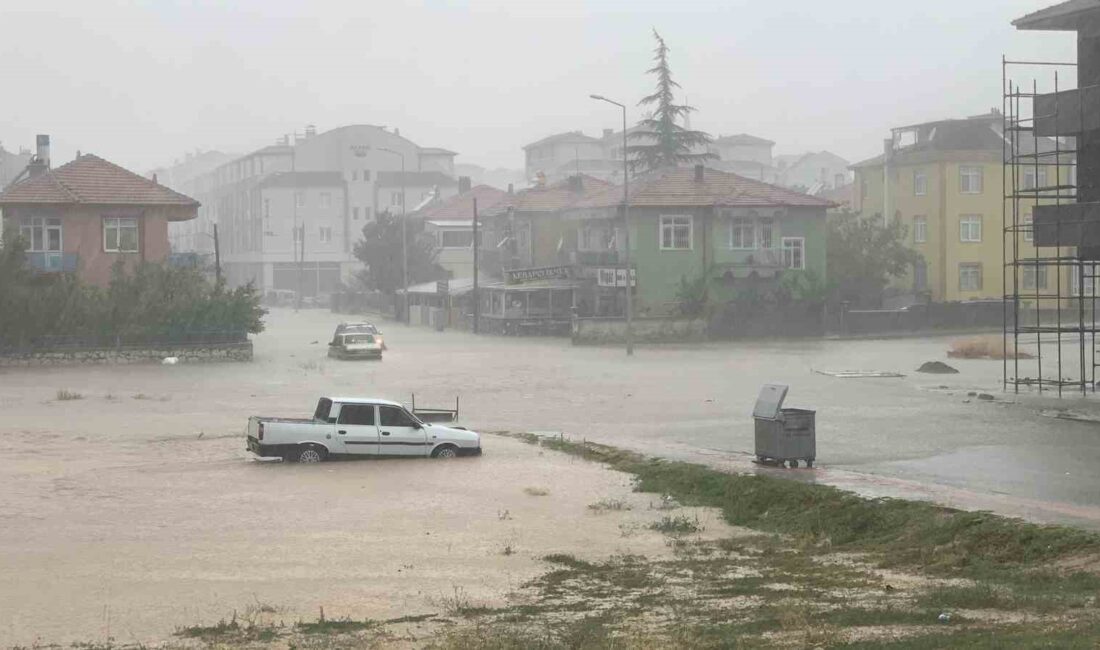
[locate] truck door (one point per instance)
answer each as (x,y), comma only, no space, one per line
(401,435)
(356,429)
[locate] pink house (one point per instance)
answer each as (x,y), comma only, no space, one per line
(85,216)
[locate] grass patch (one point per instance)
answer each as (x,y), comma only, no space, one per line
(64,395)
(678,525)
(335,626)
(536,491)
(605,505)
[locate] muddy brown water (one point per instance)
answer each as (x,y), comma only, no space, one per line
(136,509)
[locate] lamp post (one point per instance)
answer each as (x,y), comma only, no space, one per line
(404,234)
(626,221)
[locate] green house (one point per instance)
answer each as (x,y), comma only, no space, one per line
(686,223)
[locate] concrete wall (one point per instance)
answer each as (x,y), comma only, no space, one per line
(185,354)
(597,331)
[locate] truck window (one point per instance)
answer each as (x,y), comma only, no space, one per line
(357,414)
(395,417)
(324,406)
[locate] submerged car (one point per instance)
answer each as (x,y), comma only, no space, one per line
(355,426)
(355,346)
(359,328)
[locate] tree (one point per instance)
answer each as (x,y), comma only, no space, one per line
(864,254)
(668,143)
(380,252)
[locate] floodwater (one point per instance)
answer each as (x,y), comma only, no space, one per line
(136,509)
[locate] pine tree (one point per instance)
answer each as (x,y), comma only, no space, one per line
(667,143)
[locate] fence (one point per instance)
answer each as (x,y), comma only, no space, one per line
(183,338)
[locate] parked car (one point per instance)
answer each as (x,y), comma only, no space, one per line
(355,346)
(354,426)
(359,328)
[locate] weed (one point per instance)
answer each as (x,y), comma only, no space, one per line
(335,626)
(604,505)
(678,525)
(536,491)
(64,395)
(508,550)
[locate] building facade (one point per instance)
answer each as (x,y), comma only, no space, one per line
(89,215)
(944,181)
(329,184)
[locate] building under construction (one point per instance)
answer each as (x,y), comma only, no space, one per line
(1051,235)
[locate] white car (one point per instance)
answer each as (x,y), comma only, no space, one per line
(355,426)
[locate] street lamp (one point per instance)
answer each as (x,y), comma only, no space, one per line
(404,233)
(626,220)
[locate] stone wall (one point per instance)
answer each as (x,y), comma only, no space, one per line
(597,331)
(211,352)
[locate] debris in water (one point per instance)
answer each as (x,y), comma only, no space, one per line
(860,374)
(937,368)
(170,361)
(985,396)
(945,617)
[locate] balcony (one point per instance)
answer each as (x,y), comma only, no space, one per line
(765,258)
(595,258)
(49,262)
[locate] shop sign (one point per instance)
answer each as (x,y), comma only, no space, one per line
(615,277)
(517,276)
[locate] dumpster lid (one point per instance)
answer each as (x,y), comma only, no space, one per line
(770,401)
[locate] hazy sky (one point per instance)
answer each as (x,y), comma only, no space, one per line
(140,83)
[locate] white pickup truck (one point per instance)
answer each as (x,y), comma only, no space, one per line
(355,426)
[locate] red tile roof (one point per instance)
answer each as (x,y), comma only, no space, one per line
(678,187)
(551,198)
(91,180)
(461,207)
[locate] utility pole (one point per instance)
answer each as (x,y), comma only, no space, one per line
(217,258)
(404,235)
(626,237)
(477,245)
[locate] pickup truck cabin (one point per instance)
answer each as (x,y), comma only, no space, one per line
(351,426)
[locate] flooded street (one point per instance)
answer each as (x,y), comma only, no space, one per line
(136,509)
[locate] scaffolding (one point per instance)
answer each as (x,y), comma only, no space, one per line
(1050,257)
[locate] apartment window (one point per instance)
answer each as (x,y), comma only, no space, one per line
(120,234)
(326,200)
(1090,271)
(456,238)
(325,234)
(42,234)
(267,208)
(970,228)
(742,234)
(794,253)
(355,174)
(676,233)
(920,183)
(920,230)
(767,233)
(366,214)
(592,239)
(355,214)
(366,175)
(970,277)
(300,199)
(1034,179)
(1034,277)
(395,198)
(1029,231)
(970,179)
(297,231)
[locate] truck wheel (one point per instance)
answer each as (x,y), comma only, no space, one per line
(445,451)
(309,454)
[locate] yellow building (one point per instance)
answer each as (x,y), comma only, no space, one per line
(945,181)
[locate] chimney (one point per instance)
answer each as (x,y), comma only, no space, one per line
(311,130)
(607,133)
(463,184)
(396,131)
(43,144)
(698,173)
(575,184)
(40,162)
(511,190)
(155,178)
